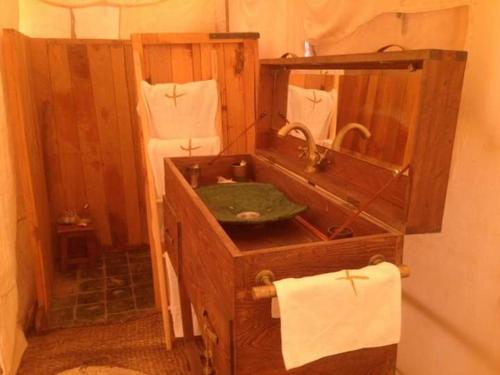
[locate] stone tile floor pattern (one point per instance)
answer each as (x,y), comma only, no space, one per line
(118,287)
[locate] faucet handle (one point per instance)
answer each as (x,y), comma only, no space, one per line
(302,151)
(322,157)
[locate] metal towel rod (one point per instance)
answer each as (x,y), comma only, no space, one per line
(266,289)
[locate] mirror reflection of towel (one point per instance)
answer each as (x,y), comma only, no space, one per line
(313,108)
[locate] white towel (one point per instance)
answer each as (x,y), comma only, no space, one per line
(338,312)
(159,149)
(175,302)
(182,110)
(313,108)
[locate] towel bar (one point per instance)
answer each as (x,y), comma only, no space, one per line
(266,289)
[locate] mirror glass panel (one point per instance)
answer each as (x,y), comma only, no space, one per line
(367,113)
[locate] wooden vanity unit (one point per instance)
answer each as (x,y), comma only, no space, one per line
(217,264)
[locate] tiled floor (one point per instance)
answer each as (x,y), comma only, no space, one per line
(118,287)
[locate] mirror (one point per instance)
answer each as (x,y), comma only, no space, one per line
(366,113)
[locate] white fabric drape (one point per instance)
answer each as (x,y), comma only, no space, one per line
(441,29)
(285,24)
(118,18)
(269,18)
(172,16)
(330,20)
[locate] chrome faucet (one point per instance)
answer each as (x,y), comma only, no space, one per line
(339,138)
(310,152)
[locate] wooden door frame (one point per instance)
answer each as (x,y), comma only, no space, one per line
(21,120)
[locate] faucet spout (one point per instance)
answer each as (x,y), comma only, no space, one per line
(311,152)
(339,138)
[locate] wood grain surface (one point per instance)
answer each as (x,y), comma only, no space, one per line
(85,99)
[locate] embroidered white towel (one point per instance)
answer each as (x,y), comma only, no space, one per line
(338,312)
(313,108)
(182,110)
(162,148)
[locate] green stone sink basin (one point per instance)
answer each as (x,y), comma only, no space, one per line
(248,203)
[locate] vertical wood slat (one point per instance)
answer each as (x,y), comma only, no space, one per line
(85,99)
(182,63)
(250,99)
(234,66)
(160,63)
(206,60)
(128,166)
(86,122)
(43,98)
(196,52)
(66,131)
(101,73)
(41,231)
(133,100)
(222,93)
(26,131)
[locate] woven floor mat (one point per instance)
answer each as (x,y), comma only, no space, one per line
(137,344)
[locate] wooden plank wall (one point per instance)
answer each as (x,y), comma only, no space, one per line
(26,131)
(326,82)
(85,99)
(162,58)
(233,63)
(386,102)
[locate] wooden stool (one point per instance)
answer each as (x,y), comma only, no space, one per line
(83,238)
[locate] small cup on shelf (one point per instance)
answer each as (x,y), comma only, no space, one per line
(240,171)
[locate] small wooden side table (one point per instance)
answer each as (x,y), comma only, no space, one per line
(77,245)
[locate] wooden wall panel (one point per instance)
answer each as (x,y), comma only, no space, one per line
(43,96)
(163,58)
(127,140)
(85,120)
(160,64)
(85,98)
(233,63)
(137,151)
(182,63)
(27,132)
(233,68)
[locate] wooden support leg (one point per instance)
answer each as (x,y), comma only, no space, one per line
(92,249)
(63,246)
(193,354)
(187,319)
